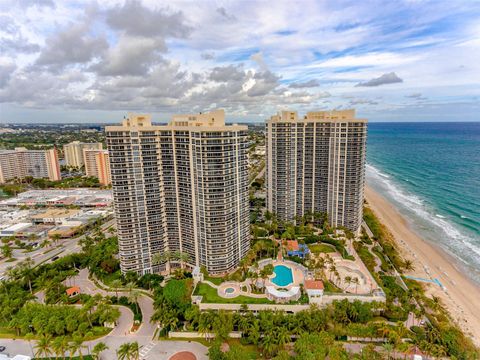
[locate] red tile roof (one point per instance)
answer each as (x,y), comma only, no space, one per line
(292,245)
(314,284)
(73,290)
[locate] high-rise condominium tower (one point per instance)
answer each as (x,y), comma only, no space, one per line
(317,164)
(20,163)
(73,152)
(97,164)
(181,187)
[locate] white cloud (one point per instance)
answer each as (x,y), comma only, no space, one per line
(251,59)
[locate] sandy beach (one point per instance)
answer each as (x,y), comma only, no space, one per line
(462,295)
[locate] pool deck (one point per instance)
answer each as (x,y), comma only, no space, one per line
(297,274)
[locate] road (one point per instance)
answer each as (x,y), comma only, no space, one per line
(40,255)
(145,303)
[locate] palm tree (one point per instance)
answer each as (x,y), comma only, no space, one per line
(97,349)
(268,344)
(332,269)
(124,352)
(135,350)
(408,265)
(43,347)
(283,337)
(133,297)
(76,346)
(116,284)
(182,257)
(55,238)
(348,281)
(160,258)
(45,243)
(59,345)
(356,282)
(388,348)
(129,351)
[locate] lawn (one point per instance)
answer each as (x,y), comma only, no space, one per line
(214,280)
(210,296)
(320,248)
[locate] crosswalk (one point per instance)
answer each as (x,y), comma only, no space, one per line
(146,349)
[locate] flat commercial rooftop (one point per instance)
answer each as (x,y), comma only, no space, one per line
(80,197)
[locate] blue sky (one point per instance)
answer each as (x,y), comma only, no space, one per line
(95,61)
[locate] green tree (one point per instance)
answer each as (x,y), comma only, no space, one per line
(98,349)
(43,347)
(7,251)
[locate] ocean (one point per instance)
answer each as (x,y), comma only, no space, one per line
(431,173)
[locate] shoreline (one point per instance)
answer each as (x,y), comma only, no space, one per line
(461,295)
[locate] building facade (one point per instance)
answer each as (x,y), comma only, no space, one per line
(20,163)
(180,188)
(97,164)
(317,164)
(73,152)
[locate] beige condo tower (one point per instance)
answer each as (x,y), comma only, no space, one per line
(97,164)
(73,152)
(181,187)
(317,164)
(20,163)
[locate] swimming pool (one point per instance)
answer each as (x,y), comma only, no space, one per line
(283,275)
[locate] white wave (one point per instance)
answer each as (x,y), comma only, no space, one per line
(413,203)
(463,217)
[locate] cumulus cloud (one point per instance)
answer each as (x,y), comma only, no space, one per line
(6,71)
(130,56)
(306,84)
(71,46)
(137,20)
(223,12)
(388,78)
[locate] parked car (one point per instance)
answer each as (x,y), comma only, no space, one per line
(54,258)
(2,348)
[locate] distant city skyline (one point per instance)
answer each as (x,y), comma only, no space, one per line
(92,62)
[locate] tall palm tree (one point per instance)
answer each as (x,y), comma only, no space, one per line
(348,281)
(58,347)
(408,265)
(133,297)
(97,350)
(332,269)
(160,258)
(124,352)
(135,350)
(356,282)
(116,284)
(76,345)
(43,347)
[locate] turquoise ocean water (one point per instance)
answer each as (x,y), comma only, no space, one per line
(431,173)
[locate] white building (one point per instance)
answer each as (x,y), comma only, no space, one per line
(181,187)
(316,164)
(314,289)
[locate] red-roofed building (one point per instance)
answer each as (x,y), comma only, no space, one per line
(292,245)
(73,291)
(314,289)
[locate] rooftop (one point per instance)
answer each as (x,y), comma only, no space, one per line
(313,285)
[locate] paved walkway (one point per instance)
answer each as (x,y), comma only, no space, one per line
(150,348)
(144,302)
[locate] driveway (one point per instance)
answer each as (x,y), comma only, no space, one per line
(145,302)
